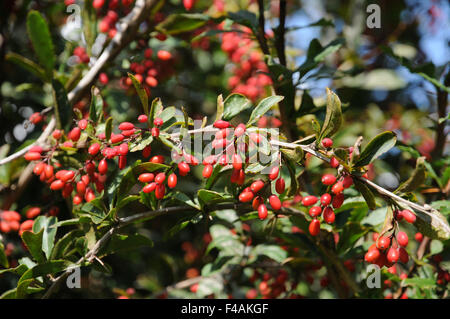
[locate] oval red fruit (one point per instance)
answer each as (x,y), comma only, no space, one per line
(314,227)
(274,202)
(172,180)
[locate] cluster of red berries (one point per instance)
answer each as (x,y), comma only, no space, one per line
(10,222)
(388,250)
(152,69)
(81,54)
(109,11)
(249,75)
(270,285)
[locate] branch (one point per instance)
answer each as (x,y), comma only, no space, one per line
(261,29)
(280,42)
(40,141)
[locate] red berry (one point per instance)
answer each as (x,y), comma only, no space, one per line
(262,211)
(309,200)
(280,185)
(274,171)
(117,138)
(240,130)
(155,131)
(327,142)
(142,118)
(393,255)
(32,156)
(82,124)
(408,216)
(160,178)
(164,55)
(149,188)
(158,159)
(314,227)
(256,186)
(160,191)
(334,162)
(57,185)
(146,177)
(328,215)
(93,149)
(372,255)
(172,180)
(221,124)
(274,202)
(183,168)
(158,121)
(337,188)
(103,78)
(57,134)
(315,211)
(188,4)
(32,212)
(338,200)
(402,239)
(123,149)
(328,179)
(418,237)
(325,199)
(246,196)
(207,171)
(237,162)
(81,188)
(103,167)
(258,200)
(347,181)
(403,255)
(383,243)
(97,4)
(125,126)
(74,134)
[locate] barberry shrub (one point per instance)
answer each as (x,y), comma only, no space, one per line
(268,196)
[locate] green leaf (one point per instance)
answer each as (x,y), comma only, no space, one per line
(333,117)
(26,64)
(108,128)
(208,286)
(416,179)
(48,237)
(378,145)
(63,110)
(433,225)
(350,235)
(235,104)
(42,42)
(139,145)
(272,251)
(34,243)
(120,242)
(182,22)
(96,107)
(89,15)
(245,18)
(436,247)
(3,258)
(140,91)
(49,267)
(155,109)
(366,193)
(263,107)
(220,107)
(422,283)
(66,242)
(95,210)
(207,197)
